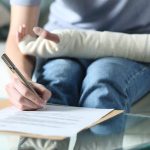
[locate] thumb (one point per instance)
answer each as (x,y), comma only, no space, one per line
(45,34)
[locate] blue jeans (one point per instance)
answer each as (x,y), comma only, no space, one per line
(108,82)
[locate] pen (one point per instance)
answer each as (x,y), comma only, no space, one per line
(14,69)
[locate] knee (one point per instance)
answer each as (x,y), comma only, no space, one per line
(105,70)
(62,77)
(60,68)
(103,87)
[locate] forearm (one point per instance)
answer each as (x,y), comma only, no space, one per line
(24,16)
(21,15)
(24,63)
(91,44)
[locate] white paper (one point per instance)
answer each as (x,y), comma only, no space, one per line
(53,120)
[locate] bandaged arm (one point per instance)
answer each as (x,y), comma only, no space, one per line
(89,44)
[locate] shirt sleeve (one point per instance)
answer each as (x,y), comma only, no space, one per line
(25,2)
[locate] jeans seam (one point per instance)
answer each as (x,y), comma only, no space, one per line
(133,77)
(129,83)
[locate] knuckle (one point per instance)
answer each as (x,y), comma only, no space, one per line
(50,93)
(21,99)
(26,92)
(45,34)
(21,107)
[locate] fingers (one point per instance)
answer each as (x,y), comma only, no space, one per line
(24,91)
(45,34)
(25,99)
(23,30)
(21,33)
(18,100)
(44,93)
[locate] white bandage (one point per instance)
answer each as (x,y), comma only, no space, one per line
(89,44)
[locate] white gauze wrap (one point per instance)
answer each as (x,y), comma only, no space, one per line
(89,44)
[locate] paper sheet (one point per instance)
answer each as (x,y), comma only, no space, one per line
(53,120)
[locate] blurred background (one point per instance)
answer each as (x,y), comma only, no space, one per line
(5,16)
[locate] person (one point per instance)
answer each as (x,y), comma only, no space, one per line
(109,82)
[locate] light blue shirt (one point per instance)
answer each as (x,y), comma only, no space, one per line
(131,16)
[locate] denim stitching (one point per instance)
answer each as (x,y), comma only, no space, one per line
(129,82)
(132,78)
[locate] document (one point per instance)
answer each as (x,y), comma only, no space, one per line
(50,121)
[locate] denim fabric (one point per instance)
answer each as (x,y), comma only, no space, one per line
(109,82)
